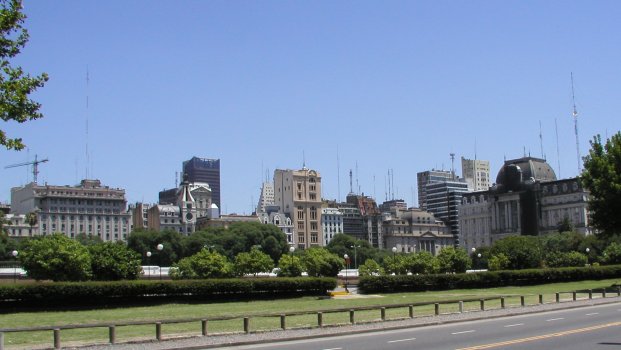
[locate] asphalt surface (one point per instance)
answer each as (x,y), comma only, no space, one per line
(594,327)
(584,324)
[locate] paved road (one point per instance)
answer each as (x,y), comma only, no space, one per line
(594,327)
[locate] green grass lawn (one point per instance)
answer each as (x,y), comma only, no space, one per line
(249,308)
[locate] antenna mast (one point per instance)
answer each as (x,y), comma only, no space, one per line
(541,141)
(88,159)
(558,152)
(575,114)
(452,165)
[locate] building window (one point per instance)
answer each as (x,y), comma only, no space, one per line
(314,237)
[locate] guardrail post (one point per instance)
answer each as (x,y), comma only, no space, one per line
(246,324)
(56,338)
(204,327)
(540,298)
(352,320)
(158,331)
(1,341)
(383,313)
(411,310)
(558,297)
(502,302)
(437,309)
(283,321)
(619,291)
(320,319)
(604,293)
(522,301)
(112,334)
(482,301)
(574,296)
(461,307)
(590,294)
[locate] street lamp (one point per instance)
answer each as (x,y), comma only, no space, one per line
(15,253)
(355,255)
(394,260)
(346,268)
(587,250)
(160,247)
(148,267)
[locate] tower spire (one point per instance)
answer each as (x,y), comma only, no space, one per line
(575,115)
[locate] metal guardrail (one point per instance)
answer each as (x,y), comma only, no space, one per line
(204,322)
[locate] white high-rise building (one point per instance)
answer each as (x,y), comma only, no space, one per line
(476,173)
(267,197)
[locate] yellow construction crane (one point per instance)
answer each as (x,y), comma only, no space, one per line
(35,166)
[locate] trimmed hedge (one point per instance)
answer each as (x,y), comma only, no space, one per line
(419,283)
(61,294)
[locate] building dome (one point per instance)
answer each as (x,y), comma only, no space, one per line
(517,171)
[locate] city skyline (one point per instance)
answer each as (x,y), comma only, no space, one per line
(265,86)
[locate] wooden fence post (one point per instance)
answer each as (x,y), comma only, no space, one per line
(502,302)
(1,341)
(320,319)
(158,331)
(461,307)
(604,293)
(112,334)
(204,327)
(56,338)
(574,295)
(283,321)
(540,298)
(482,301)
(246,324)
(558,297)
(352,319)
(383,313)
(522,301)
(437,309)
(590,294)
(411,310)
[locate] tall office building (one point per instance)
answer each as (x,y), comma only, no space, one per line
(204,170)
(298,194)
(267,197)
(476,173)
(443,200)
(431,176)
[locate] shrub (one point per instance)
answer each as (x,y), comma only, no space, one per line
(204,264)
(566,259)
(56,257)
(370,268)
(498,262)
(113,261)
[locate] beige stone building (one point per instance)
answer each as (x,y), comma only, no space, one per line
(414,230)
(298,193)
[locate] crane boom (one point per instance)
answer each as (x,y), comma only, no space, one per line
(35,166)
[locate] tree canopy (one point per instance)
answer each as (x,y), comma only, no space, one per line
(15,85)
(56,257)
(602,177)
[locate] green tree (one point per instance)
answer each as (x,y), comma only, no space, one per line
(359,250)
(143,241)
(395,264)
(253,262)
(523,252)
(370,268)
(15,85)
(565,241)
(421,263)
(498,262)
(451,259)
(7,246)
(290,266)
(602,177)
(565,225)
(88,240)
(113,261)
(204,264)
(56,257)
(320,262)
(612,254)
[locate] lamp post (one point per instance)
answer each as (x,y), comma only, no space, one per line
(394,260)
(346,268)
(474,260)
(148,266)
(587,250)
(15,253)
(355,255)
(160,247)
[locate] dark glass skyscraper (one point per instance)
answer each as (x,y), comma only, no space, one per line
(204,170)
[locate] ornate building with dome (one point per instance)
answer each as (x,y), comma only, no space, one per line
(527,199)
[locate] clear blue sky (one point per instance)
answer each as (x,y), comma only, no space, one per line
(391,84)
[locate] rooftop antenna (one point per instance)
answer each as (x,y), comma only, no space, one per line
(541,141)
(338,174)
(351,184)
(303,160)
(176,179)
(374,189)
(88,158)
(357,183)
(452,165)
(475,148)
(392,180)
(575,114)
